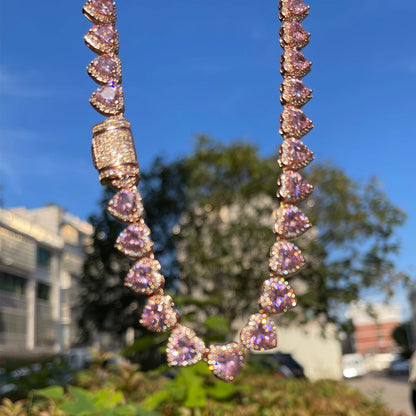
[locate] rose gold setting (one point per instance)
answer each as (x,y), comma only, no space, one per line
(114,156)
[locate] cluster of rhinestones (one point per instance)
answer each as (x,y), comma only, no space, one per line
(115,158)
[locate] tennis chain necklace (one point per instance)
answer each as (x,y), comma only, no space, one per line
(114,157)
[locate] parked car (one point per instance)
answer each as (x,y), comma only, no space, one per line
(353,365)
(399,366)
(284,364)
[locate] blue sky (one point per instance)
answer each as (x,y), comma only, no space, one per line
(194,67)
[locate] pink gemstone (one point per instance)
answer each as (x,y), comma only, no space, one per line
(294,154)
(158,314)
(294,33)
(104,33)
(285,258)
(291,222)
(293,187)
(105,65)
(107,95)
(144,277)
(184,347)
(298,61)
(104,7)
(295,91)
(260,333)
(126,205)
(295,121)
(226,361)
(296,6)
(277,296)
(135,240)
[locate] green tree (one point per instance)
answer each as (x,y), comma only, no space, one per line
(211,218)
(401,335)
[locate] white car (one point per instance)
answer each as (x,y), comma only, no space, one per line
(353,365)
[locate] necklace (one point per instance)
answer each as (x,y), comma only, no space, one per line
(114,157)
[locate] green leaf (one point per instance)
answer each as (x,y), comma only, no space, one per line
(105,399)
(53,392)
(83,404)
(155,400)
(196,397)
(222,391)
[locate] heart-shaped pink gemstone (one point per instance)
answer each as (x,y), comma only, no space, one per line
(277,296)
(105,7)
(260,333)
(226,360)
(294,9)
(109,99)
(158,314)
(126,205)
(290,221)
(184,347)
(295,122)
(294,34)
(105,69)
(100,11)
(135,240)
(294,92)
(102,39)
(295,64)
(294,154)
(144,277)
(293,187)
(285,258)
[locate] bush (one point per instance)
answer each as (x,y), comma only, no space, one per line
(123,390)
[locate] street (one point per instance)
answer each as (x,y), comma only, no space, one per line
(393,391)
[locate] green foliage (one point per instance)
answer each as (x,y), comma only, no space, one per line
(400,334)
(211,219)
(81,402)
(125,391)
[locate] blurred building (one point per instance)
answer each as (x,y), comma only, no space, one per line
(374,325)
(41,257)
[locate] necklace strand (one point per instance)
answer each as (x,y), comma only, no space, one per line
(114,157)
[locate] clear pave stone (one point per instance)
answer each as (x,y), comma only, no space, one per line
(285,258)
(290,221)
(293,187)
(260,333)
(277,296)
(144,277)
(226,360)
(158,314)
(184,347)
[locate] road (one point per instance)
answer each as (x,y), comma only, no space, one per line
(393,391)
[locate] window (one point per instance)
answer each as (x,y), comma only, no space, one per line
(13,284)
(43,291)
(44,257)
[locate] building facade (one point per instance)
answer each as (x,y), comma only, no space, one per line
(374,326)
(41,257)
